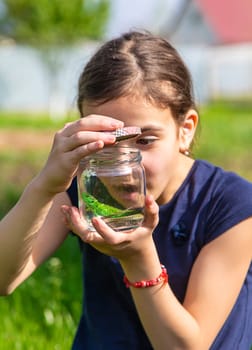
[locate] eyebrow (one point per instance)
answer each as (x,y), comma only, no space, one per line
(151,128)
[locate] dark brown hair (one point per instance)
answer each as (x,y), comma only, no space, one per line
(138,64)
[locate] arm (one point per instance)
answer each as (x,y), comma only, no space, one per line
(30,233)
(215,281)
(33,229)
(18,232)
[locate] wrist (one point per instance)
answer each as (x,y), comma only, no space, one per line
(162,278)
(144,265)
(38,190)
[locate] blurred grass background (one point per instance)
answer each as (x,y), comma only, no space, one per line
(43,312)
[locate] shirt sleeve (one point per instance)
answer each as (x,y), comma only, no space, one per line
(231,203)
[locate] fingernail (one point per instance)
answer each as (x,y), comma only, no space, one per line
(111,137)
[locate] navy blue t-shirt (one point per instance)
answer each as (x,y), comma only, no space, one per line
(208,203)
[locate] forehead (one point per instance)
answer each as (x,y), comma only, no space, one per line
(132,111)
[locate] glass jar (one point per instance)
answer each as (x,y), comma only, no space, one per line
(111,185)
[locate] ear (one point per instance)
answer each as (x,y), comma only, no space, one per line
(187,130)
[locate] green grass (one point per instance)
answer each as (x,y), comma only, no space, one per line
(17,169)
(225,136)
(33,121)
(43,312)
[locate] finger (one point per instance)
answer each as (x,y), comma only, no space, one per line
(93,123)
(78,225)
(83,132)
(87,137)
(83,151)
(109,235)
(119,238)
(150,213)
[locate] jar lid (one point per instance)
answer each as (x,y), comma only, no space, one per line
(127,132)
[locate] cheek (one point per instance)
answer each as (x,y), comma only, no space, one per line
(153,165)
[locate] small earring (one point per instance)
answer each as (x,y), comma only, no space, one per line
(186,152)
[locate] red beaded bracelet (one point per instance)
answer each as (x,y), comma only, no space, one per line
(162,278)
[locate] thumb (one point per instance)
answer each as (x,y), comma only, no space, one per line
(150,213)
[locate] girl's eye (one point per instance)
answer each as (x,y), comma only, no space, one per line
(146,140)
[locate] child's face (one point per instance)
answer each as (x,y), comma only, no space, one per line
(159,143)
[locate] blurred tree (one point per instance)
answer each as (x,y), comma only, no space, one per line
(52,25)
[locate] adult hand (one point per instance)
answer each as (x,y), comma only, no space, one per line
(121,245)
(75,141)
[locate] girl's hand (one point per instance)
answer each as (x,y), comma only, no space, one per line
(122,245)
(75,141)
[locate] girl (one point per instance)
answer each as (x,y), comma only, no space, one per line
(183,279)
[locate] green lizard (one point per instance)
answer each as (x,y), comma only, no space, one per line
(101,209)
